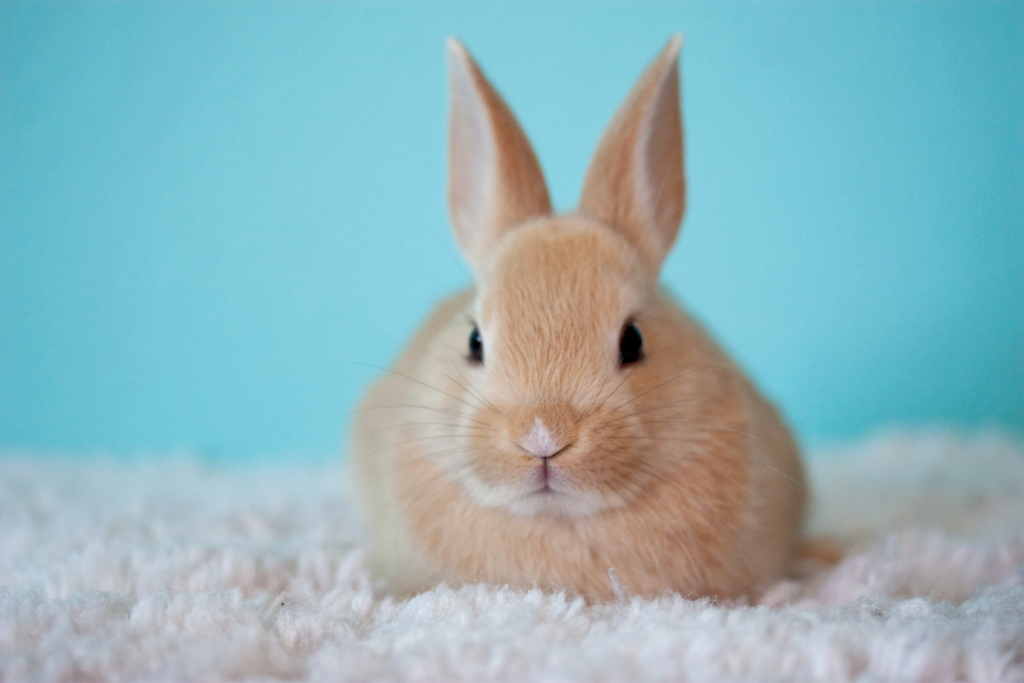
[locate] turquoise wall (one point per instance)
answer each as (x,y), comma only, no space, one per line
(212,213)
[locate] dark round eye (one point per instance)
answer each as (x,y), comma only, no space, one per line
(476,346)
(631,346)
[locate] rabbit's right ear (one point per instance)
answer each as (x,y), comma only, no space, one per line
(494,179)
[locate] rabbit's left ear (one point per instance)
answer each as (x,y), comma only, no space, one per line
(635,183)
(494,179)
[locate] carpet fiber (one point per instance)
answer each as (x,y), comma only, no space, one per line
(168,567)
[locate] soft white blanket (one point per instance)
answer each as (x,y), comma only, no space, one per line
(167,567)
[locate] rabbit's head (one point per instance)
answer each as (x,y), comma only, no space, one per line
(568,342)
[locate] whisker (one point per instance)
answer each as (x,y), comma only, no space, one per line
(617,387)
(414,461)
(396,446)
(704,453)
(395,406)
(439,484)
(479,394)
(663,406)
(439,410)
(435,424)
(421,383)
(669,381)
(768,465)
(668,440)
(442,477)
(786,476)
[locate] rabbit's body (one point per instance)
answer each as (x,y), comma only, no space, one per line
(564,444)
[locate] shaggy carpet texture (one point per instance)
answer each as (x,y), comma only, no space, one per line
(172,568)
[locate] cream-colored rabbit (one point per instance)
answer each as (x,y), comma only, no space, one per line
(564,418)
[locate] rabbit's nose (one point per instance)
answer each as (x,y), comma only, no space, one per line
(539,441)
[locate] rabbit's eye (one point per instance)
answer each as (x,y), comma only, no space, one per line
(631,345)
(476,346)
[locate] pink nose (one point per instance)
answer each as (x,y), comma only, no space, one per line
(539,442)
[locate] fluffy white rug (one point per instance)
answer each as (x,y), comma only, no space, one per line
(171,568)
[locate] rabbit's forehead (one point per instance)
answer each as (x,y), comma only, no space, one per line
(560,275)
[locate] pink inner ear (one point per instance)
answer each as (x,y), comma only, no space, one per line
(539,442)
(635,182)
(495,180)
(472,157)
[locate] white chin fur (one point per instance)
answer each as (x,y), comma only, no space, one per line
(554,504)
(528,501)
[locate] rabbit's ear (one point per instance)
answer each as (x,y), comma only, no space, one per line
(635,182)
(494,179)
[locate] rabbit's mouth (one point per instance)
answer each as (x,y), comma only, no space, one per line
(548,501)
(547,480)
(545,476)
(550,492)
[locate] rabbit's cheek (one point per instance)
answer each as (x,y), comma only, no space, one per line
(505,472)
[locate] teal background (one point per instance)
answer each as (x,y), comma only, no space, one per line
(211,213)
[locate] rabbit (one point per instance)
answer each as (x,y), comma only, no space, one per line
(563,424)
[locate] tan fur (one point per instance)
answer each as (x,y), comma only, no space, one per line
(674,473)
